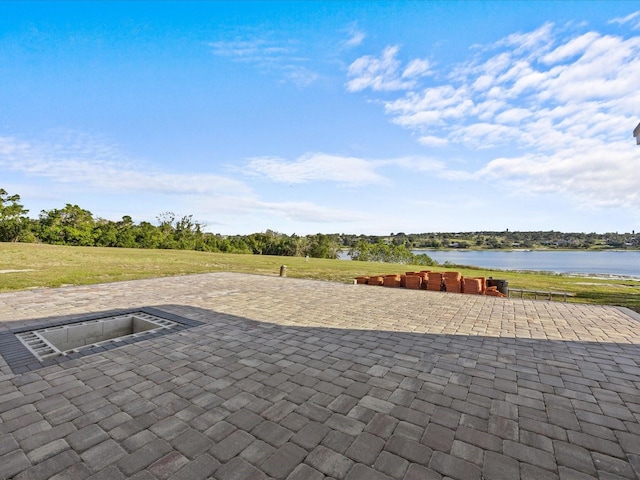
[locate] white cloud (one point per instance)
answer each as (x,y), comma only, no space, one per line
(433,141)
(90,163)
(568,100)
(317,167)
(78,163)
(572,48)
(353,172)
(633,19)
(417,68)
(539,40)
(487,135)
(432,106)
(356,36)
(384,73)
(602,177)
(513,115)
(607,70)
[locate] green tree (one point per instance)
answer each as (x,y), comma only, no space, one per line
(186,233)
(148,236)
(302,246)
(166,228)
(272,243)
(71,225)
(105,233)
(361,251)
(233,244)
(382,252)
(14,223)
(323,246)
(126,233)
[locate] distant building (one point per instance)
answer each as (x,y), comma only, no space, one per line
(636,133)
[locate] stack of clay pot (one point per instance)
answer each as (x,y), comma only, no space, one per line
(452,282)
(434,281)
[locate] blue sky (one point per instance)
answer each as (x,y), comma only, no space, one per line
(314,117)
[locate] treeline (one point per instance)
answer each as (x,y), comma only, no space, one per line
(73,225)
(504,240)
(387,252)
(76,226)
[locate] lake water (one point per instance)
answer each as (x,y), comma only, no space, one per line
(602,263)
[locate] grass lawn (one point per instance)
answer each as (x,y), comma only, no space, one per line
(41,266)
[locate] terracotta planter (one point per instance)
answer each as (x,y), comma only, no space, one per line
(452,276)
(392,281)
(473,286)
(413,281)
(452,286)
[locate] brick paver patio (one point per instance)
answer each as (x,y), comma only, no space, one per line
(307,380)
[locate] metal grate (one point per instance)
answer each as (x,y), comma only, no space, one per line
(30,348)
(65,339)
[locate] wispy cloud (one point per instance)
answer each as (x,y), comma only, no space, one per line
(268,55)
(90,163)
(81,163)
(299,75)
(352,171)
(633,19)
(309,212)
(433,166)
(572,48)
(222,209)
(257,50)
(555,109)
(527,42)
(317,167)
(385,73)
(433,141)
(355,36)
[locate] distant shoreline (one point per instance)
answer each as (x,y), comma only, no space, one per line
(607,263)
(532,249)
